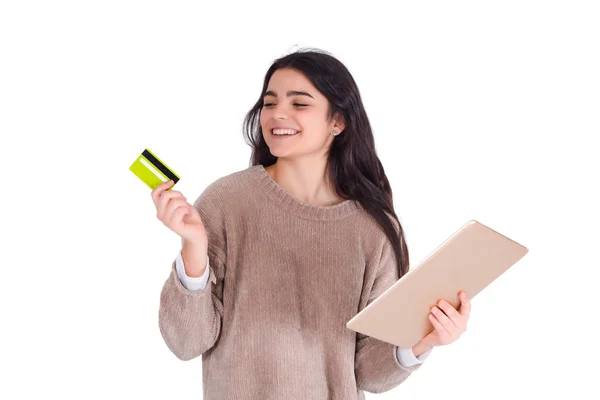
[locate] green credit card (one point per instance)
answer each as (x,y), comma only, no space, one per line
(152,171)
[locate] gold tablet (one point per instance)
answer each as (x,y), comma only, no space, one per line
(469,260)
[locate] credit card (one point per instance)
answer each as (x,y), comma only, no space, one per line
(152,171)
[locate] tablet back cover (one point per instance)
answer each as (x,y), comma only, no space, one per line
(469,260)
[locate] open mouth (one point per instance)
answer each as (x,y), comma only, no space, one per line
(283,133)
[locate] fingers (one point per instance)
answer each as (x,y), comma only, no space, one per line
(442,332)
(164,202)
(450,311)
(443,319)
(465,305)
(159,189)
(178,213)
(174,204)
(447,321)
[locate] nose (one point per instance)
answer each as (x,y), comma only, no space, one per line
(280,111)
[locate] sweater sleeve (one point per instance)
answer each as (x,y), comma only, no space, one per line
(377,367)
(190,321)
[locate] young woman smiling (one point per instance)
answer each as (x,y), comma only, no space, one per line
(276,258)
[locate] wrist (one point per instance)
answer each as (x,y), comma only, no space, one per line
(194,260)
(420,348)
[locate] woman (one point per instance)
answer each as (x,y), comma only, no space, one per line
(277,258)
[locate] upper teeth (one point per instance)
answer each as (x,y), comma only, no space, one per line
(284,132)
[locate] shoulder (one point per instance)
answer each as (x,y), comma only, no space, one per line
(372,235)
(371,227)
(219,199)
(228,187)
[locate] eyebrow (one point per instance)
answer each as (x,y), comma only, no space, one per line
(289,94)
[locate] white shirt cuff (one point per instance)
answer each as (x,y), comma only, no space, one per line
(193,284)
(407,358)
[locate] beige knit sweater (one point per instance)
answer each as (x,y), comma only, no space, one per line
(285,277)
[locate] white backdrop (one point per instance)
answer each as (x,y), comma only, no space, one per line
(480,110)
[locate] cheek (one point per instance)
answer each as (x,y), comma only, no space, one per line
(262,117)
(307,122)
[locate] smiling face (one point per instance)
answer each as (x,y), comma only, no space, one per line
(291,101)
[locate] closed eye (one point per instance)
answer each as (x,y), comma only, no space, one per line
(296,104)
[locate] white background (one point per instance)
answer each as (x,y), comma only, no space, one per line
(480,110)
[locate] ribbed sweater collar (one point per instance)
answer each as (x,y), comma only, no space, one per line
(285,200)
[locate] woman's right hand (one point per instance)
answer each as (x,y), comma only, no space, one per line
(177,214)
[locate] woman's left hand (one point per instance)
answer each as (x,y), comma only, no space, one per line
(449,324)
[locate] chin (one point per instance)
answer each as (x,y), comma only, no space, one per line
(280,153)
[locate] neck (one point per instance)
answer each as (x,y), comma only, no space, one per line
(306,180)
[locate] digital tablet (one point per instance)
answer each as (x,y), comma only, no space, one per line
(469,260)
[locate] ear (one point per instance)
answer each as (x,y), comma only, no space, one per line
(339,124)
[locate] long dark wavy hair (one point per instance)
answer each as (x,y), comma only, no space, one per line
(353,165)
